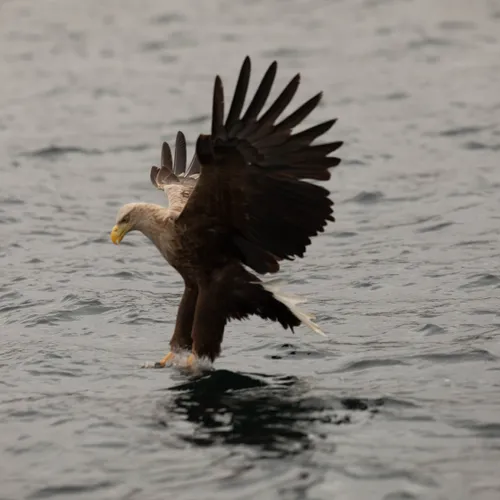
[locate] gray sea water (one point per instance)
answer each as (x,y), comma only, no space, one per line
(400,401)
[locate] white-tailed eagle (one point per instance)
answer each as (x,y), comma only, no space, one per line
(242,205)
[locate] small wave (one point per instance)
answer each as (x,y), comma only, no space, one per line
(55,373)
(130,147)
(168,18)
(453,132)
(473,243)
(56,151)
(397,96)
(369,363)
(195,120)
(10,200)
(344,234)
(354,162)
(364,284)
(9,220)
(71,489)
(428,42)
(284,53)
(356,404)
(136,319)
(476,145)
(153,46)
(483,280)
(367,197)
(51,152)
(457,357)
(296,353)
(126,275)
(486,312)
(456,25)
(435,227)
(75,308)
(490,430)
(9,296)
(432,329)
(11,308)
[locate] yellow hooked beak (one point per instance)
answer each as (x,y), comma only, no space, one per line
(118,232)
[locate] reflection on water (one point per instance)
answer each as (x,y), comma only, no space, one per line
(273,413)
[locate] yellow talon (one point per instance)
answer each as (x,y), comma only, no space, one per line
(165,360)
(189,363)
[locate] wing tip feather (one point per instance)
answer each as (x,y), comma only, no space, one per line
(166,155)
(180,153)
(153,175)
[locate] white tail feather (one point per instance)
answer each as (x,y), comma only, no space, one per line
(291,301)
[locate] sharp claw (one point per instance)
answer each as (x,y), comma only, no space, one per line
(189,363)
(160,364)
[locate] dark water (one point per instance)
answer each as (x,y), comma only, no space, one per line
(401,401)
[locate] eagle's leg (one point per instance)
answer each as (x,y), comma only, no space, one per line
(208,326)
(181,338)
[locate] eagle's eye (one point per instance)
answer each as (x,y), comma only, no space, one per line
(125,219)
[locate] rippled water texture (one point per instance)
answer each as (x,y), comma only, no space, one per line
(400,401)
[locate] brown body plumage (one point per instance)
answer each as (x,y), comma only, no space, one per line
(242,204)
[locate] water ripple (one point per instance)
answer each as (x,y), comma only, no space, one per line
(399,400)
(71,489)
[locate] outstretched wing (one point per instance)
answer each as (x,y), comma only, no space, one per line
(171,177)
(252,170)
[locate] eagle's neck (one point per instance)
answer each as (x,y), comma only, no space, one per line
(152,219)
(154,223)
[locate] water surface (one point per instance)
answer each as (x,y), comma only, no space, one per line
(400,401)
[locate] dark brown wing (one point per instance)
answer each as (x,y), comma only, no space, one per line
(252,172)
(194,167)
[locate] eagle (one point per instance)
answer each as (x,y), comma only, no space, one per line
(244,204)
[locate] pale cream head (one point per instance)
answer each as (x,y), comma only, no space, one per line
(128,218)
